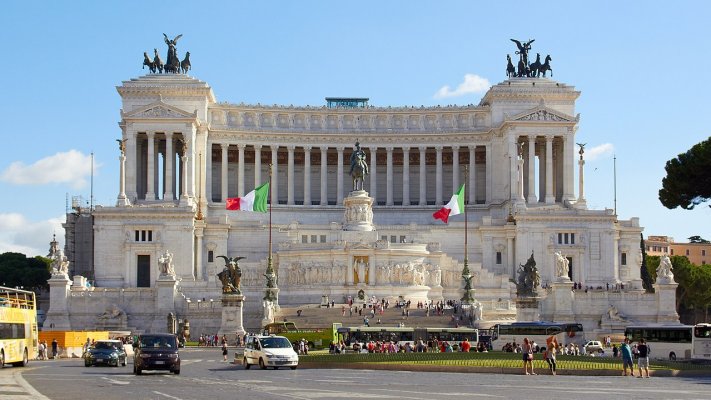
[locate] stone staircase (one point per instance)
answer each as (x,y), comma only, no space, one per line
(315,316)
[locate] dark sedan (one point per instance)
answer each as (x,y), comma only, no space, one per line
(106,352)
(156,351)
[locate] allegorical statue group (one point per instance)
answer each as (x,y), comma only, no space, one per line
(173,64)
(524,68)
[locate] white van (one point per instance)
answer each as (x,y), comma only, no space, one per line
(269,351)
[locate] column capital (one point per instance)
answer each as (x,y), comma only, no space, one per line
(307,148)
(257,147)
(455,148)
(324,149)
(405,148)
(340,149)
(274,149)
(168,134)
(532,137)
(439,148)
(422,149)
(549,138)
(389,149)
(291,148)
(150,134)
(240,146)
(224,145)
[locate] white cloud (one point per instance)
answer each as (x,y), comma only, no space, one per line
(472,84)
(70,167)
(600,151)
(17,234)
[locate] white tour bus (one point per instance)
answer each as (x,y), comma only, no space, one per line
(565,333)
(673,341)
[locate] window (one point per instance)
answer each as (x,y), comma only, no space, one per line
(402,239)
(498,257)
(566,238)
(323,238)
(672,251)
(623,259)
(143,235)
(210,256)
(304,238)
(313,239)
(703,253)
(393,239)
(687,252)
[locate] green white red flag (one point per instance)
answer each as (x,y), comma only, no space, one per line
(454,207)
(256,200)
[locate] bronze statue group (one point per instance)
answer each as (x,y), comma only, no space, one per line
(525,69)
(173,64)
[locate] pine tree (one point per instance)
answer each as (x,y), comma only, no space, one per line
(646,278)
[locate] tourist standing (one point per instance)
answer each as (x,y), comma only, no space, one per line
(527,357)
(551,349)
(643,358)
(55,348)
(626,352)
(224,350)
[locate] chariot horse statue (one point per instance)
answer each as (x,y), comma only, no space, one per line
(231,275)
(359,167)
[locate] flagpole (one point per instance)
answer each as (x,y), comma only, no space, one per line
(466,275)
(271,202)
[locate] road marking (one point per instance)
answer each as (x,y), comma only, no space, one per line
(167,395)
(115,381)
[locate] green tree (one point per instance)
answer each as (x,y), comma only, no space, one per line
(700,297)
(697,239)
(644,272)
(16,270)
(688,180)
(685,275)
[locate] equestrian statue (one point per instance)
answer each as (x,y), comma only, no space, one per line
(359,167)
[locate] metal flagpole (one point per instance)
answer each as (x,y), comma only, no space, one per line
(466,275)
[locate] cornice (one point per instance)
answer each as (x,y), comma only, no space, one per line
(367,139)
(166,85)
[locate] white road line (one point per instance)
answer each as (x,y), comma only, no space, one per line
(167,395)
(115,381)
(28,388)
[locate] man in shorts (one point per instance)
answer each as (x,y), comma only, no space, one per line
(626,357)
(643,359)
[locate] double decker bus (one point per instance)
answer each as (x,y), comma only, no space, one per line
(565,333)
(674,341)
(18,326)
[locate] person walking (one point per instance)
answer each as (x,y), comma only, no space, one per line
(643,358)
(55,348)
(527,357)
(550,353)
(626,352)
(224,350)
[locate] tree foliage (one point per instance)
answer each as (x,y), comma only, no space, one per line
(688,180)
(16,270)
(697,239)
(644,272)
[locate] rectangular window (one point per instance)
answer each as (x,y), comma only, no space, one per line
(572,238)
(402,239)
(313,239)
(498,257)
(210,256)
(143,236)
(623,259)
(143,271)
(150,236)
(138,236)
(393,239)
(565,238)
(687,252)
(304,238)
(560,238)
(672,251)
(703,252)
(323,238)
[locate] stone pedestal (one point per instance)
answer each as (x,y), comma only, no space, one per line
(666,301)
(231,326)
(527,309)
(164,301)
(359,211)
(562,294)
(58,313)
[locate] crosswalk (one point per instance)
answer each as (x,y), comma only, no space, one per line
(14,387)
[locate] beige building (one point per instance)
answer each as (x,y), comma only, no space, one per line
(697,253)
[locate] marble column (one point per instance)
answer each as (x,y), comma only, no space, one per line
(240,170)
(324,172)
(184,178)
(405,176)
(455,168)
(275,175)
(168,165)
(339,176)
(198,250)
(290,175)
(423,176)
(208,172)
(581,180)
(488,173)
(389,177)
(472,175)
(150,170)
(373,174)
(531,169)
(550,196)
(568,168)
(257,165)
(307,175)
(224,147)
(131,173)
(438,176)
(122,200)
(510,254)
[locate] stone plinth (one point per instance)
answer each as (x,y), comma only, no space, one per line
(666,301)
(527,309)
(359,211)
(231,326)
(562,294)
(164,301)
(58,313)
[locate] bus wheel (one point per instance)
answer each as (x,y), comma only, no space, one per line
(2,359)
(24,361)
(672,356)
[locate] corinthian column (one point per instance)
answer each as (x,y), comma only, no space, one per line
(150,170)
(339,176)
(240,170)
(438,176)
(223,175)
(423,177)
(257,165)
(290,175)
(169,157)
(532,169)
(373,174)
(324,162)
(550,196)
(275,175)
(389,177)
(307,175)
(455,168)
(405,176)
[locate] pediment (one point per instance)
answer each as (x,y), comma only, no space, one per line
(158,110)
(543,114)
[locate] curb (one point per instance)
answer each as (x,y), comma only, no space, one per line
(491,370)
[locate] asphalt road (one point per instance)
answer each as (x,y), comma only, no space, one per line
(205,376)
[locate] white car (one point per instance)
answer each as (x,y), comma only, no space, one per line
(593,346)
(269,351)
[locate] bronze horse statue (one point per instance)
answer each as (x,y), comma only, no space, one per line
(157,62)
(185,64)
(148,63)
(510,70)
(535,66)
(546,66)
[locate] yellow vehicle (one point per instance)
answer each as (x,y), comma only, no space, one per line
(18,326)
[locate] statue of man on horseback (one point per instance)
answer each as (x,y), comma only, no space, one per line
(359,167)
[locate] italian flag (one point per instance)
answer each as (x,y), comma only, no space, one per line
(454,207)
(256,200)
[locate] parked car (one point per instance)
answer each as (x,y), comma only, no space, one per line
(106,352)
(156,351)
(269,351)
(593,346)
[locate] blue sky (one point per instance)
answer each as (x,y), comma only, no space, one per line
(638,64)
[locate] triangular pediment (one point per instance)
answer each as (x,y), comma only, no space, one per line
(543,114)
(159,110)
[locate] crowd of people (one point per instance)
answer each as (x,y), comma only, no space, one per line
(420,346)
